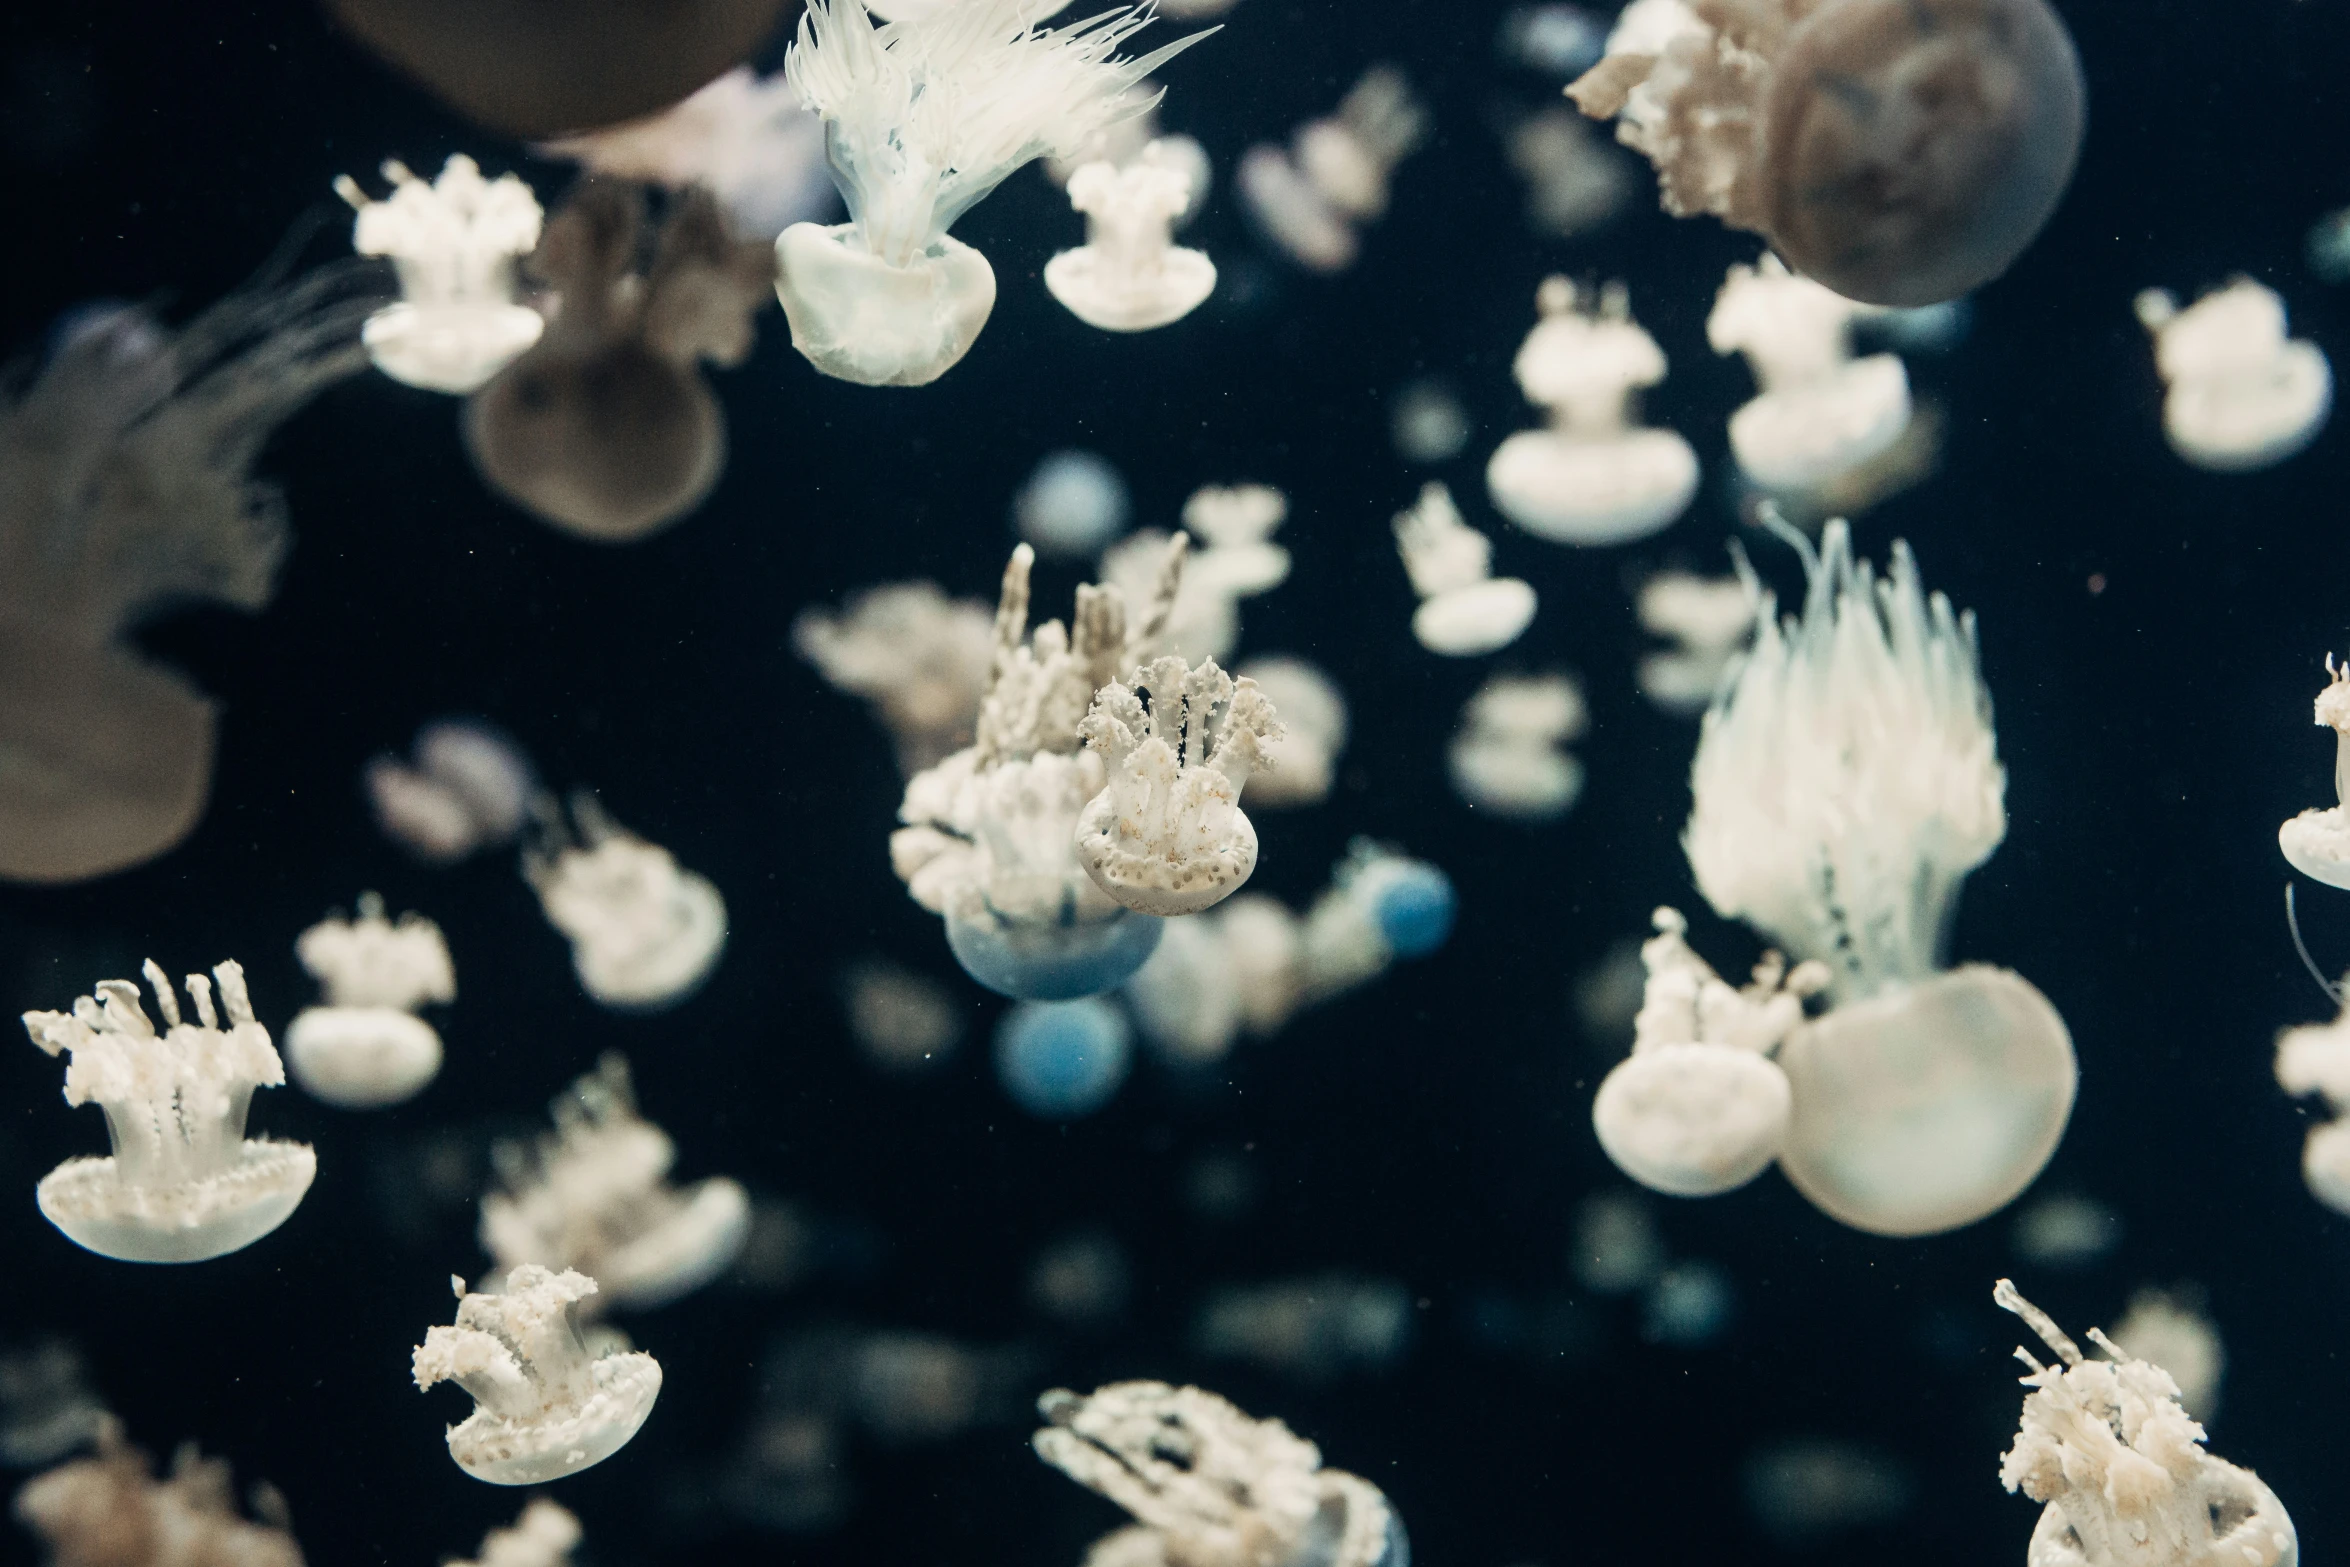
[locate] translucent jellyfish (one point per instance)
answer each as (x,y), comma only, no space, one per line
(544,1535)
(1312,1329)
(2170,1330)
(2327,250)
(365,1047)
(1130,275)
(184,1183)
(2241,395)
(546,1406)
(1688,1306)
(606,428)
(1235,523)
(1073,504)
(1063,1060)
(1820,412)
(1380,905)
(1302,760)
(1122,141)
(1187,1008)
(1309,200)
(902,1020)
(2121,1468)
(454,242)
(1559,40)
(1082,1279)
(47,1407)
(1210,1487)
(110,1511)
(1845,783)
(919,657)
(1709,618)
(2315,1059)
(2066,1230)
(1464,609)
(1700,1107)
(923,118)
(1901,151)
(1427,423)
(1506,756)
(1804,1490)
(1575,182)
(468,787)
(594,1195)
(1616,1249)
(644,931)
(2317,842)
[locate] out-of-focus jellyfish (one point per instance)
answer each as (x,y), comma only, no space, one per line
(1082,1279)
(1575,182)
(606,428)
(1845,783)
(1183,1000)
(1427,423)
(1556,39)
(919,657)
(1302,759)
(454,243)
(923,118)
(125,487)
(544,1535)
(1210,1487)
(47,1408)
(1615,1249)
(743,137)
(1311,1329)
(1235,524)
(1464,609)
(1505,757)
(1903,152)
(1073,504)
(1124,140)
(365,1047)
(1063,1060)
(1380,905)
(2315,1059)
(1710,618)
(184,1183)
(1801,1491)
(2121,1468)
(2317,842)
(1920,329)
(644,931)
(2327,249)
(1130,275)
(1688,1306)
(110,1511)
(1196,10)
(902,1020)
(468,787)
(1593,476)
(1607,998)
(1309,200)
(546,1406)
(2066,1230)
(1819,411)
(2168,1330)
(2242,396)
(594,1195)
(990,835)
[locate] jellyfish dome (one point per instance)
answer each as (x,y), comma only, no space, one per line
(1410,902)
(1505,758)
(1575,182)
(1184,999)
(1592,477)
(1302,760)
(1820,412)
(1073,504)
(1063,1060)
(109,1510)
(644,931)
(366,1048)
(1845,782)
(1234,526)
(1464,609)
(2317,842)
(545,1405)
(1130,275)
(1903,152)
(455,242)
(2242,396)
(184,1183)
(1708,619)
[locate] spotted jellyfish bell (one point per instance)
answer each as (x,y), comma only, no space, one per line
(1464,609)
(2241,395)
(454,243)
(1594,476)
(644,931)
(366,1047)
(2317,842)
(1130,275)
(1819,412)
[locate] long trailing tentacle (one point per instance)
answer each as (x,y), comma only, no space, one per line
(2332,988)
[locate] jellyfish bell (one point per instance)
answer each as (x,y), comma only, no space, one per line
(2317,842)
(1063,1060)
(454,242)
(1302,759)
(365,1047)
(2241,395)
(1129,275)
(1464,610)
(1819,412)
(645,932)
(857,317)
(1506,756)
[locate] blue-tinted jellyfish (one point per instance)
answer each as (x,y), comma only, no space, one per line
(1411,900)
(1061,1060)
(1380,905)
(1073,504)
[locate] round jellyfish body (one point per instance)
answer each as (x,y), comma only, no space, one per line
(1820,412)
(1062,1060)
(2242,396)
(1072,505)
(2317,842)
(365,1047)
(645,932)
(1052,960)
(1464,609)
(856,317)
(1129,275)
(1302,759)
(1506,756)
(1411,902)
(454,242)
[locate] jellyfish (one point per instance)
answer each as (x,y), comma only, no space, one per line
(923,118)
(1185,1005)
(1427,423)
(1803,1490)
(2242,396)
(919,657)
(1380,905)
(2315,1059)
(1593,476)
(1557,40)
(366,1047)
(1820,412)
(901,1020)
(1130,275)
(594,1195)
(606,428)
(468,787)
(544,1535)
(1845,782)
(454,242)
(2169,1330)
(2317,842)
(1709,618)
(1505,757)
(1312,1330)
(2120,1468)
(184,1183)
(1235,523)
(1309,200)
(1575,182)
(47,1407)
(1302,760)
(1083,1279)
(1073,504)
(1210,1487)
(109,1510)
(2066,1230)
(1616,1249)
(1903,152)
(1063,1060)
(1689,1305)
(1464,609)
(545,1404)
(2327,249)
(644,932)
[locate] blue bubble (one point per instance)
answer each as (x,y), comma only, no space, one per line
(1414,905)
(1063,1059)
(1053,960)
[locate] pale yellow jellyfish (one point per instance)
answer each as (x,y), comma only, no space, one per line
(1819,412)
(1130,275)
(1301,761)
(454,242)
(1232,557)
(1464,609)
(546,1406)
(2242,396)
(2170,1330)
(2317,842)
(544,1535)
(644,931)
(1709,619)
(2315,1059)
(184,1183)
(109,1510)
(1335,176)
(1575,182)
(365,1047)
(468,787)
(1506,757)
(918,656)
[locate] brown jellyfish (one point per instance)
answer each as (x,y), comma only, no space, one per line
(606,428)
(1902,152)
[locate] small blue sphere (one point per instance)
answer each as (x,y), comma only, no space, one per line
(1414,905)
(1048,960)
(1060,1060)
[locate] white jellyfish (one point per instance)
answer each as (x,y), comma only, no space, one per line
(901,1020)
(454,242)
(469,787)
(544,1535)
(184,1183)
(2065,1230)
(1846,781)
(918,656)
(594,1194)
(644,931)
(1235,524)
(1819,412)
(1506,756)
(1464,609)
(2241,395)
(1710,618)
(1309,200)
(2315,1059)
(1072,504)
(1210,1487)
(2169,1330)
(924,117)
(47,1407)
(1235,969)
(1427,423)
(2121,1467)
(366,1047)
(1575,182)
(109,1510)
(1594,476)
(1380,905)
(1302,760)
(1615,1248)
(546,1406)
(2317,842)
(1130,275)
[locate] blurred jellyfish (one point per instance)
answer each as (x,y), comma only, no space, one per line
(919,657)
(1803,1490)
(1210,1487)
(47,1408)
(1593,476)
(2327,249)
(1819,412)
(1464,609)
(365,1047)
(546,1406)
(1920,329)
(1195,10)
(923,118)
(2241,395)
(1505,757)
(2317,842)
(1427,423)
(1710,618)
(1688,1306)
(2121,1468)
(544,1535)
(2168,1330)
(1607,997)
(1183,1000)
(1575,182)
(1063,1060)
(1123,141)
(1556,39)
(1072,505)
(469,787)
(1130,275)
(1233,527)
(2315,1059)
(1302,759)
(1846,781)
(454,242)
(1311,1329)
(743,137)
(1309,200)
(1083,1279)
(644,932)
(901,1019)
(1380,905)
(606,428)
(1903,152)
(2066,1231)
(184,1183)
(111,1511)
